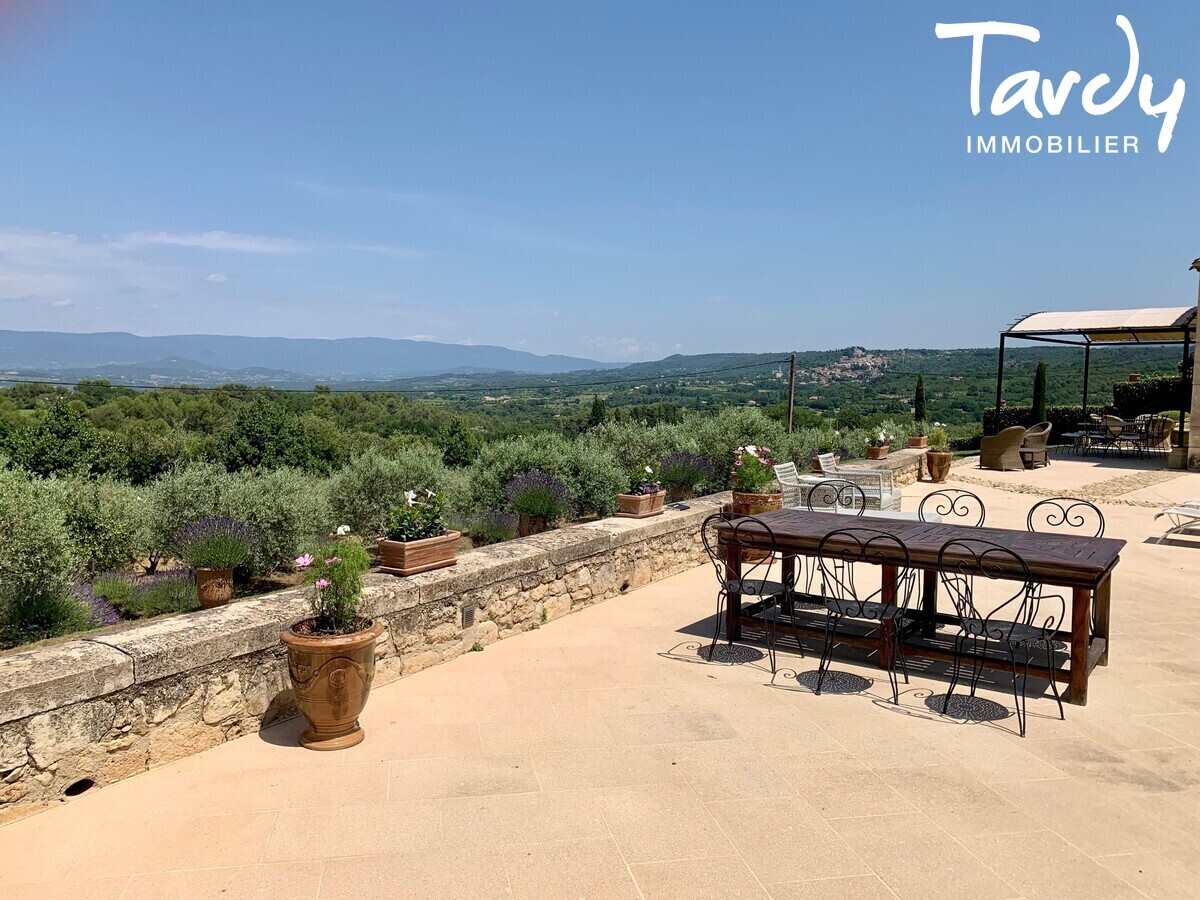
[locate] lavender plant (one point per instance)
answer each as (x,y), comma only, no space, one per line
(102,612)
(215,542)
(538,494)
(684,470)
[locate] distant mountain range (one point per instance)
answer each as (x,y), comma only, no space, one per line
(215,359)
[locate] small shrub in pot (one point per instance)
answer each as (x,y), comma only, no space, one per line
(539,500)
(214,546)
(684,474)
(643,497)
(417,538)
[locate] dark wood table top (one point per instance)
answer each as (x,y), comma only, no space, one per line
(1058,559)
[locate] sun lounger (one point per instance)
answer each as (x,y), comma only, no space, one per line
(1184,519)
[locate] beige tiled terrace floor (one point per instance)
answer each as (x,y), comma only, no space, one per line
(594,758)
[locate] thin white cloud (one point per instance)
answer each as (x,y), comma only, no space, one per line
(215,240)
(217,277)
(393,250)
(421,337)
(65,302)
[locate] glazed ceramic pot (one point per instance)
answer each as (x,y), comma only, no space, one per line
(331,678)
(214,587)
(411,557)
(640,506)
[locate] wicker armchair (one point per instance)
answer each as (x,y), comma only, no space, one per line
(1037,436)
(1002,451)
(1160,431)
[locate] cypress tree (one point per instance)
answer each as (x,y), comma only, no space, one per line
(919,414)
(1039,394)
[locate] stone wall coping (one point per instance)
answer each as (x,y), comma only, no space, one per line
(44,679)
(896,459)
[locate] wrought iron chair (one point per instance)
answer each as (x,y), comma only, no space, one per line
(1022,624)
(755,545)
(1065,514)
(839,551)
(836,494)
(953,505)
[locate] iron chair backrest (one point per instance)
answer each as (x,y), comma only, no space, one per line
(834,493)
(836,555)
(953,503)
(745,533)
(1025,613)
(1059,514)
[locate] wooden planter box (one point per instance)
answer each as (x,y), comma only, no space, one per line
(411,557)
(640,506)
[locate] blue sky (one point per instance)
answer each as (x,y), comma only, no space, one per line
(619,180)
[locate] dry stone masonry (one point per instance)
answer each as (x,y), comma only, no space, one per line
(104,707)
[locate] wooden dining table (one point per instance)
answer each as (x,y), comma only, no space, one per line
(1084,565)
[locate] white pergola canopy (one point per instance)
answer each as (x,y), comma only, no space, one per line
(1161,324)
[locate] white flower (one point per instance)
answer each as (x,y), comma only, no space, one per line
(410,497)
(750,448)
(649,471)
(343,530)
(428,493)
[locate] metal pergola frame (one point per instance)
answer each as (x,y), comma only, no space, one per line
(1185,329)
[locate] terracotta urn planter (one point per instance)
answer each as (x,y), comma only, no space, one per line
(214,587)
(411,557)
(918,442)
(938,464)
(528,525)
(640,506)
(878,452)
(679,493)
(331,678)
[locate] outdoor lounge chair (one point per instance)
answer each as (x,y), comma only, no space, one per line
(1184,519)
(1002,451)
(878,485)
(1033,447)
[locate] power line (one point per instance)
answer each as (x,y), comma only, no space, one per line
(491,389)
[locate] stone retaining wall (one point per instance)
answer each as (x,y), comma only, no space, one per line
(110,705)
(906,465)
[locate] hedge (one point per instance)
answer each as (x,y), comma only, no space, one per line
(1152,395)
(1061,418)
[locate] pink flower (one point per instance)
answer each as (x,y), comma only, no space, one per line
(323,582)
(333,560)
(303,562)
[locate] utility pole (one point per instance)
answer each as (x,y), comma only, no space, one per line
(791,391)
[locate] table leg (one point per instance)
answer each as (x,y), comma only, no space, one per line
(733,600)
(929,581)
(789,570)
(888,596)
(1102,598)
(1081,626)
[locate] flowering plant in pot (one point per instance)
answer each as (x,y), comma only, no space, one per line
(214,546)
(919,439)
(938,457)
(754,484)
(644,496)
(878,444)
(331,654)
(417,539)
(683,474)
(539,500)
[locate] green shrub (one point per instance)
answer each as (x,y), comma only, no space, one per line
(718,436)
(215,542)
(1153,395)
(631,444)
(366,493)
(285,507)
(183,495)
(592,476)
(154,595)
(37,565)
(105,519)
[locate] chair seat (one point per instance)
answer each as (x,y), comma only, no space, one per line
(868,609)
(1006,632)
(754,587)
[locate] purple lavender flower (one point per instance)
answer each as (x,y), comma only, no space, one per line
(103,612)
(215,542)
(538,494)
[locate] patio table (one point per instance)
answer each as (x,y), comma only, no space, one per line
(1085,565)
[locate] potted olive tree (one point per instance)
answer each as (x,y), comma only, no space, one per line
(938,457)
(684,474)
(331,654)
(643,498)
(754,485)
(417,538)
(214,546)
(539,501)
